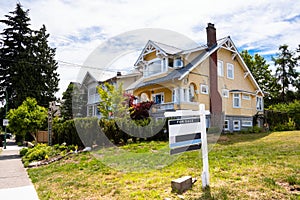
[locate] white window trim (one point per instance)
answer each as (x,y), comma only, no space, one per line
(247,123)
(239,125)
(175,60)
(226,129)
(225,91)
(262,103)
(163,68)
(221,66)
(204,86)
(160,93)
(228,66)
(246,96)
(233,98)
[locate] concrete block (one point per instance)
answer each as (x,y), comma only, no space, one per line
(182,184)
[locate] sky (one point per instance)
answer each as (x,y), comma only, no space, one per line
(78,27)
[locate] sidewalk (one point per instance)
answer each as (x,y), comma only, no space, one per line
(14,180)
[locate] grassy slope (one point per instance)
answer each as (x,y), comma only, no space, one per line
(245,166)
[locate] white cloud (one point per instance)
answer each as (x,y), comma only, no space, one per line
(77,27)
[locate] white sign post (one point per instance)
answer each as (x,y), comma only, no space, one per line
(189,133)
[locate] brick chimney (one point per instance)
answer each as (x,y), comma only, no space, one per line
(215,97)
(211,35)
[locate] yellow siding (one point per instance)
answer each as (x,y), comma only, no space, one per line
(150,56)
(200,75)
(248,107)
(239,82)
(155,89)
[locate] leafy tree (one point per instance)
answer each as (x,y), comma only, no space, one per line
(27,65)
(286,73)
(263,76)
(112,101)
(27,118)
(73,102)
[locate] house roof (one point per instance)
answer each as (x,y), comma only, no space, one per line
(225,43)
(152,46)
(168,49)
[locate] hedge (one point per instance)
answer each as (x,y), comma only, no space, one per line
(95,132)
(283,116)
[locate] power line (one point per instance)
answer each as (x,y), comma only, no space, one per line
(83,66)
(67,64)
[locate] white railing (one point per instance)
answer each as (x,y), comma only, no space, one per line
(164,106)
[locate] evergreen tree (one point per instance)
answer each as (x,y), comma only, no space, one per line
(73,102)
(286,73)
(27,65)
(263,76)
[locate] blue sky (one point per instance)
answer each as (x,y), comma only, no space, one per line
(78,27)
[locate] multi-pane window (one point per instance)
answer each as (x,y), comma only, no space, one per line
(158,98)
(236,100)
(247,123)
(259,104)
(220,68)
(230,71)
(226,125)
(236,125)
(93,96)
(155,66)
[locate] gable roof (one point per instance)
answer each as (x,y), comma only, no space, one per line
(152,46)
(225,43)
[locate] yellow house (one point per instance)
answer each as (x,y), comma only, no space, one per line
(213,74)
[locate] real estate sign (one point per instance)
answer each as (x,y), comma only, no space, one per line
(188,132)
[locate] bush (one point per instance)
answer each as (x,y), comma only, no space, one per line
(101,132)
(23,151)
(282,117)
(43,151)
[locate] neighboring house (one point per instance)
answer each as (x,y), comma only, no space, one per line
(90,84)
(213,74)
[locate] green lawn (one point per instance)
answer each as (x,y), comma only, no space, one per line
(242,166)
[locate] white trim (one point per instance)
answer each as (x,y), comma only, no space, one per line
(247,123)
(160,93)
(225,41)
(225,93)
(261,102)
(176,95)
(203,86)
(238,123)
(246,97)
(235,97)
(163,68)
(228,66)
(220,66)
(226,129)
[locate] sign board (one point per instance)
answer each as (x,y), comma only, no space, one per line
(189,133)
(5,122)
(184,134)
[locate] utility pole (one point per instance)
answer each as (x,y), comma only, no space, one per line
(50,117)
(6,110)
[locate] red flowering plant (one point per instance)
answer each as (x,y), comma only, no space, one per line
(140,110)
